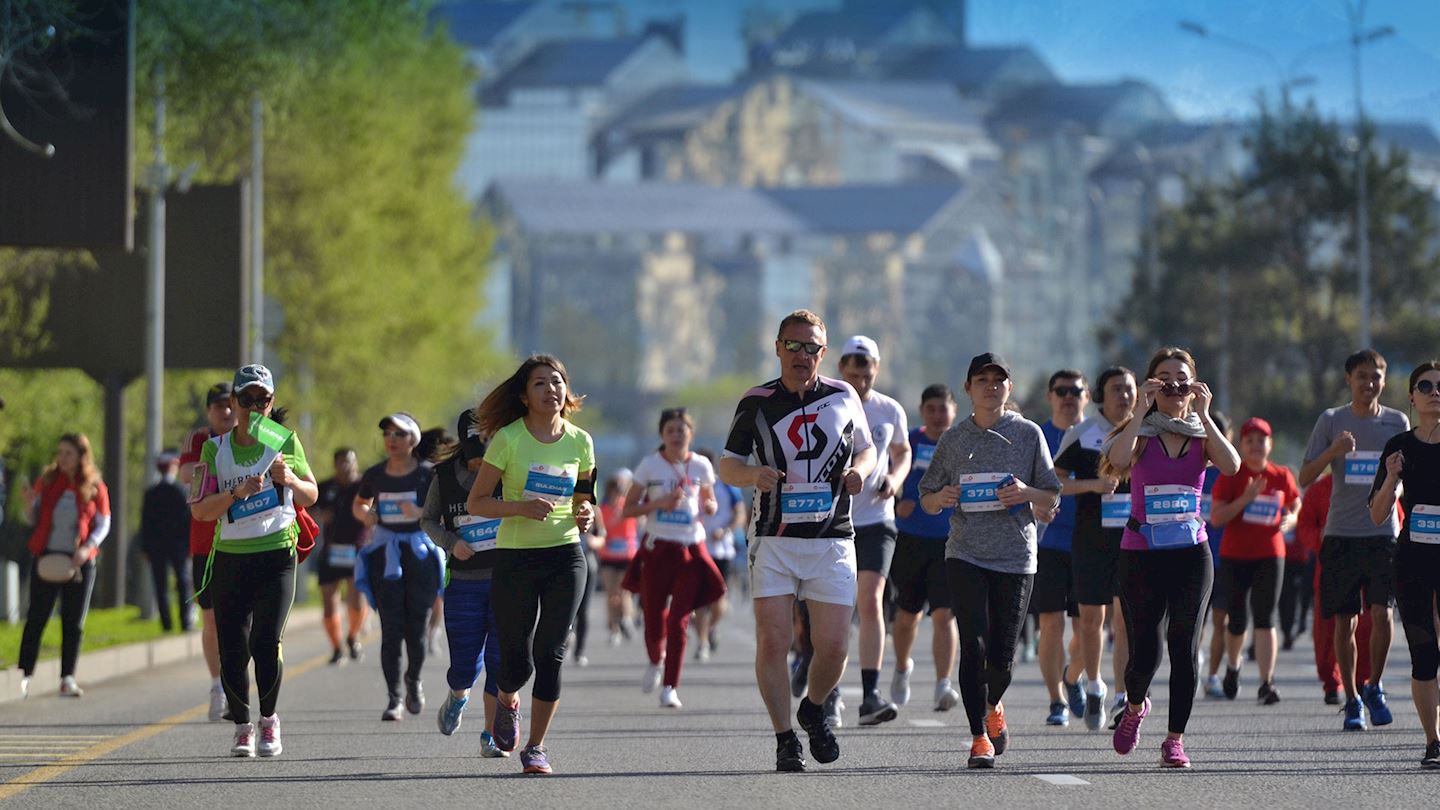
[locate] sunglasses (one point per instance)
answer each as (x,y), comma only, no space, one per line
(397,434)
(1068,391)
(254,401)
(811,349)
(1426,387)
(1170,389)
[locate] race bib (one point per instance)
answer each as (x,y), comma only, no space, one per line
(340,556)
(1263,511)
(924,454)
(387,506)
(255,505)
(1170,503)
(978,492)
(675,517)
(1361,466)
(1424,523)
(806,503)
(480,534)
(1114,510)
(548,483)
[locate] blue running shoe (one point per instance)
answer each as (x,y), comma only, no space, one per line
(487,746)
(449,717)
(1375,703)
(1059,714)
(1354,715)
(1075,694)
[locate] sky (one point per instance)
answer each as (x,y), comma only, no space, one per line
(1103,40)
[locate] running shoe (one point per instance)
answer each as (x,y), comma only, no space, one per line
(1431,760)
(1332,698)
(823,745)
(1374,703)
(25,688)
(488,750)
(1267,696)
(506,729)
(1117,710)
(789,755)
(946,698)
(799,675)
(1172,754)
(1354,715)
(336,656)
(244,740)
(356,651)
(996,730)
(900,684)
(875,710)
(651,679)
(835,708)
(1059,714)
(218,704)
(1095,706)
(982,753)
(448,718)
(702,652)
(269,737)
(393,711)
(1127,734)
(1231,683)
(669,699)
(1075,695)
(68,687)
(582,661)
(534,759)
(1213,688)
(615,638)
(414,696)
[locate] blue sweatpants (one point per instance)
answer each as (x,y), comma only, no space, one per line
(470,628)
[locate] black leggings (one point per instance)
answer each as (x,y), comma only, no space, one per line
(404,606)
(582,613)
(74,599)
(1156,586)
(1259,580)
(1297,587)
(535,595)
(1417,585)
(990,612)
(252,595)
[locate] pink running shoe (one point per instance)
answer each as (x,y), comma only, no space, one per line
(1127,734)
(1172,754)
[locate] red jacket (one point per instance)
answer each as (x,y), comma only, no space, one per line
(44,515)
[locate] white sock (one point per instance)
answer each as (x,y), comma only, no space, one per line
(215,683)
(1096,687)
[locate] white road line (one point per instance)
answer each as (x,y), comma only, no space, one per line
(1060,779)
(927,723)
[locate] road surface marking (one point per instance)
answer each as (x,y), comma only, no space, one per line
(1060,779)
(927,723)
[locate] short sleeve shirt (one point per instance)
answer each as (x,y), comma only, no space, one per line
(294,455)
(530,469)
(1349,500)
(660,477)
(887,427)
(1254,534)
(389,491)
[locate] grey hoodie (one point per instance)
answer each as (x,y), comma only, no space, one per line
(996,540)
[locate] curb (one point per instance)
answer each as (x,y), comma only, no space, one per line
(115,662)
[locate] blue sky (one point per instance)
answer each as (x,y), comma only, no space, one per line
(1097,40)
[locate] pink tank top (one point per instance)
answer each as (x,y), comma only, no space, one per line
(1154,467)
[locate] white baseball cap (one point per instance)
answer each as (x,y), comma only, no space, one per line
(861,345)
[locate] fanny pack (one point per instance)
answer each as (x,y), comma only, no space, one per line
(1165,536)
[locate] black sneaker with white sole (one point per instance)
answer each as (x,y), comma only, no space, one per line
(823,745)
(875,710)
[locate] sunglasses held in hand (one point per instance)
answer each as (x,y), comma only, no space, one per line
(1171,389)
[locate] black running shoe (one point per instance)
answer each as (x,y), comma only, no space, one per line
(823,745)
(1231,684)
(789,755)
(355,650)
(414,696)
(336,657)
(875,710)
(1431,761)
(1267,696)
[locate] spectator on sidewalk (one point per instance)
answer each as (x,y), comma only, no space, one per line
(165,539)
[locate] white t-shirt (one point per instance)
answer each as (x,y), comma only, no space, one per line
(887,427)
(660,478)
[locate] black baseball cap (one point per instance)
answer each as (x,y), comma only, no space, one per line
(471,445)
(219,392)
(980,362)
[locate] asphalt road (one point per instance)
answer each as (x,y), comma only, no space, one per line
(143,741)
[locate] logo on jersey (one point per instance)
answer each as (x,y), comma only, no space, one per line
(817,437)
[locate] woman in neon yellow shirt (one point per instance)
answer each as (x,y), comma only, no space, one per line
(546,467)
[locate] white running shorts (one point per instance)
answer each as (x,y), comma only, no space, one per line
(822,569)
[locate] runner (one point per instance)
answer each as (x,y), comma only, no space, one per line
(1102,504)
(1257,505)
(470,543)
(70,510)
(1219,606)
(918,572)
(220,418)
(673,487)
(590,542)
(720,531)
(1054,595)
(996,468)
(1309,531)
(813,450)
(343,537)
(547,468)
(621,541)
(873,513)
(400,570)
(1356,556)
(1165,565)
(1410,464)
(255,486)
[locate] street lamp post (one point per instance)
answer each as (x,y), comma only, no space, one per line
(1359,37)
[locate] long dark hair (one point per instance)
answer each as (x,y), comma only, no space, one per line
(670,414)
(87,476)
(504,405)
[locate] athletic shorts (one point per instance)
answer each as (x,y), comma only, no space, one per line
(1251,586)
(197,578)
(723,566)
(1350,566)
(918,574)
(614,565)
(1054,589)
(875,548)
(330,574)
(822,568)
(1096,566)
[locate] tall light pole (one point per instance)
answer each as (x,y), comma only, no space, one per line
(1359,37)
(155,289)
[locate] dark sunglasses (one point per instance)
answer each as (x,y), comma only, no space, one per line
(1068,391)
(254,401)
(1426,387)
(397,434)
(1170,389)
(811,349)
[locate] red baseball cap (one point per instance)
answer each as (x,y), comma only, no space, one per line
(1257,424)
